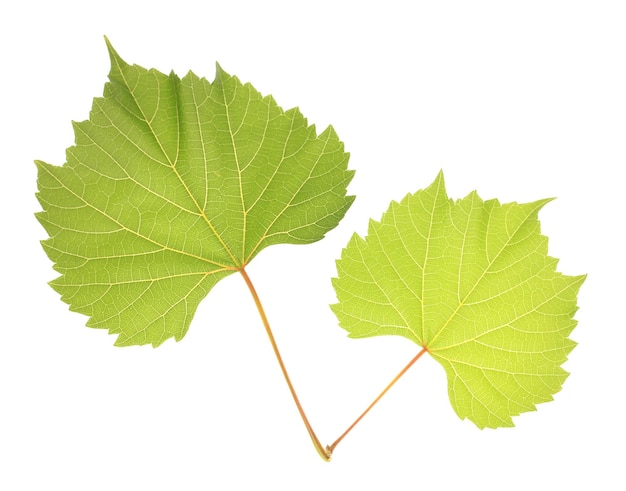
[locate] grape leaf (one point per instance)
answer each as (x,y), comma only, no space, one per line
(174,184)
(471,282)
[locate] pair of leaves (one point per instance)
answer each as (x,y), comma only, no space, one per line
(174,184)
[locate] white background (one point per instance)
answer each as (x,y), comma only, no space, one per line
(519,100)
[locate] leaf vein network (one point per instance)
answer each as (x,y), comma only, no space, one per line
(265,235)
(134,232)
(480,278)
(509,323)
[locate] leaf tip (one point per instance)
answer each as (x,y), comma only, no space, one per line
(545,201)
(116,59)
(110,47)
(220,73)
(439,179)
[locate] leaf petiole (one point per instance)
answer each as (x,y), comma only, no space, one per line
(332,447)
(325,453)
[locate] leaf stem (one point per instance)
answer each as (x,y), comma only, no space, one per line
(323,452)
(330,449)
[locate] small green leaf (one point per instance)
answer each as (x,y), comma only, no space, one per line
(174,184)
(472,282)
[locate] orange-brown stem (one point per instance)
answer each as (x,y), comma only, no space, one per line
(323,452)
(330,449)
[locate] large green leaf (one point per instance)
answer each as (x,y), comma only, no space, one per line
(471,282)
(174,184)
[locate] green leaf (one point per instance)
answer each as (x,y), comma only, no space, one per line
(174,184)
(471,281)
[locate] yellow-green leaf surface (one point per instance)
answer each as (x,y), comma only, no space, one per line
(472,282)
(174,184)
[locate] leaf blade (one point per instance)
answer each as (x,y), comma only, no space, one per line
(154,204)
